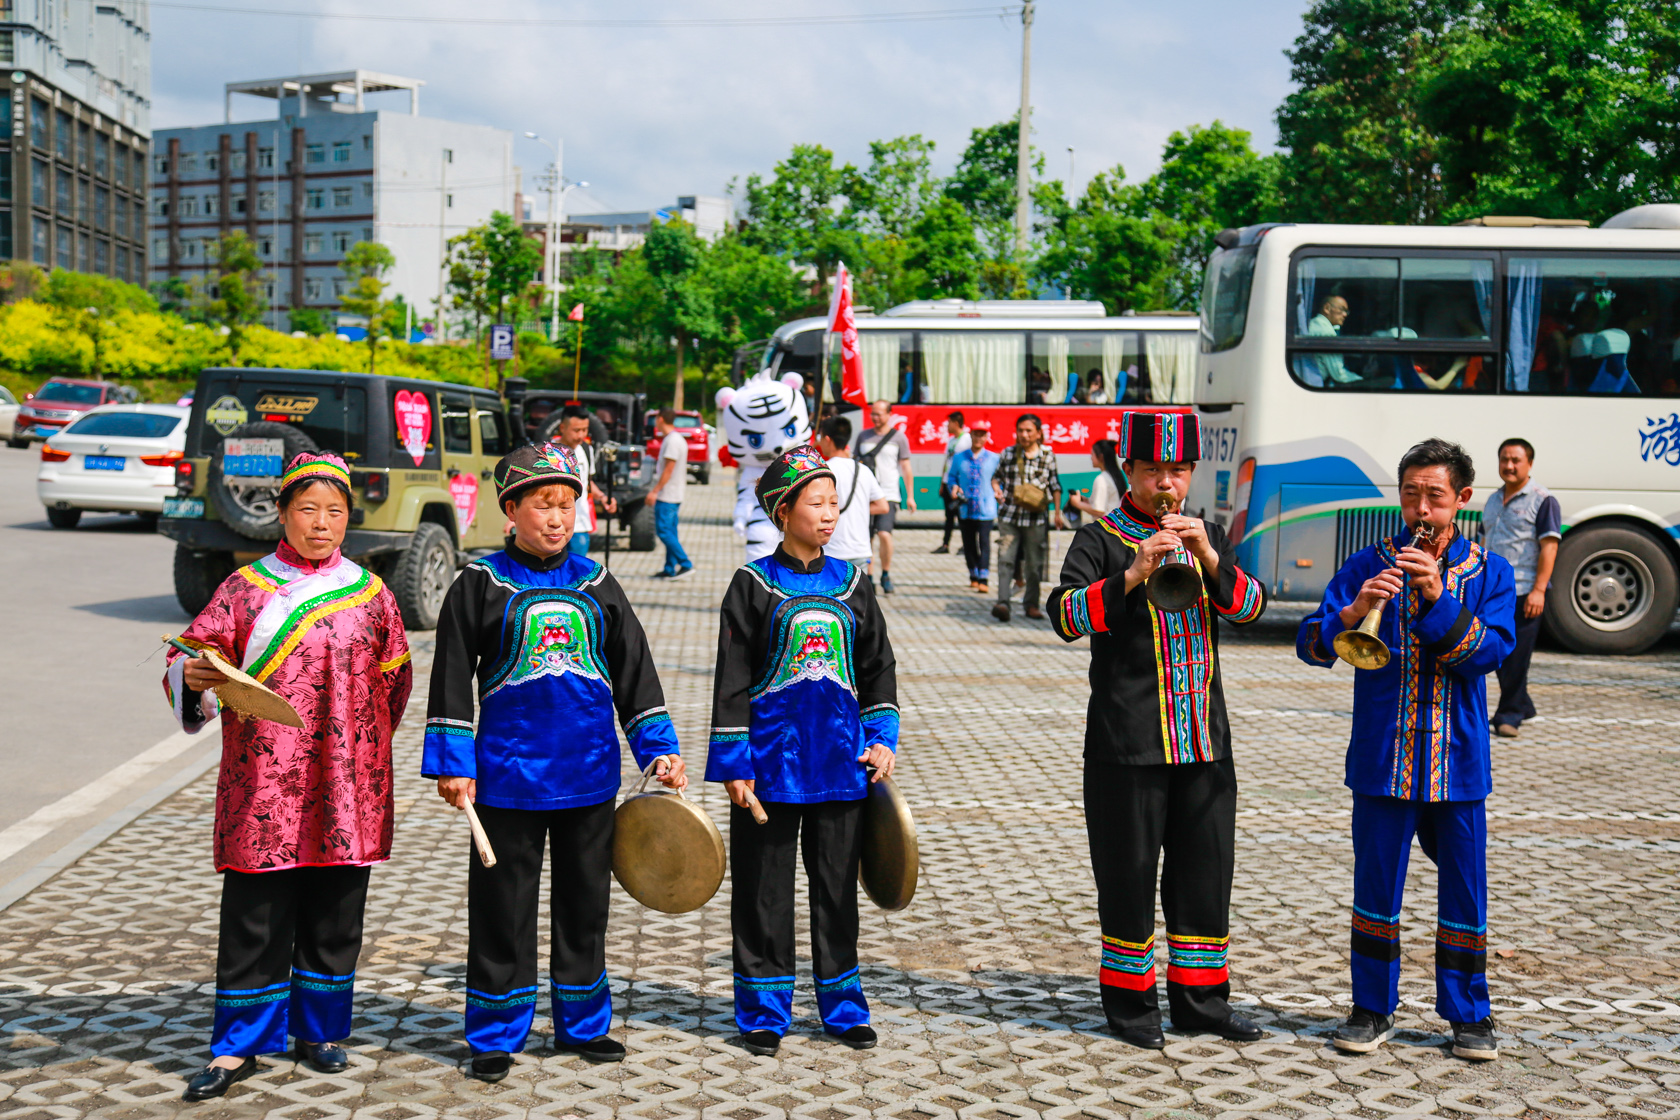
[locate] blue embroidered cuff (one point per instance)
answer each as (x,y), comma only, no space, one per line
(449,750)
(880,725)
(729,755)
(651,734)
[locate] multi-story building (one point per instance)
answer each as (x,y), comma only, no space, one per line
(617,233)
(327,172)
(75,122)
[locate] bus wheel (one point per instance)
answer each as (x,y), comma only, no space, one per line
(1614,590)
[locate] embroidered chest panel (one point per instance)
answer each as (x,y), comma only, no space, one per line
(811,639)
(549,632)
(298,600)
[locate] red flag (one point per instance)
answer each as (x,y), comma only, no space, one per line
(843,322)
(576,314)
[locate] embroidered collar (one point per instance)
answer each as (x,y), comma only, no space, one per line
(294,558)
(799,567)
(1137,512)
(533,561)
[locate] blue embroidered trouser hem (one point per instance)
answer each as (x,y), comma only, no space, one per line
(761,861)
(1453,834)
(286,960)
(502,984)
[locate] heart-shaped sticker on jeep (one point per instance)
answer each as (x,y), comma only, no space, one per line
(414,422)
(464,489)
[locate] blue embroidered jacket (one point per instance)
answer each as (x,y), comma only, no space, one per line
(1420,723)
(549,648)
(805,681)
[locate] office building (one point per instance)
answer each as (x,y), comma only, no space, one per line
(326,172)
(75,122)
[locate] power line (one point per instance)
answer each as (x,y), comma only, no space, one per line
(929,15)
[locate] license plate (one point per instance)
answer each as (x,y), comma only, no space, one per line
(253,458)
(191,508)
(103,462)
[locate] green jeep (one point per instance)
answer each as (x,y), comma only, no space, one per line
(420,456)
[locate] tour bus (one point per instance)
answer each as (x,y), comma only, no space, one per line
(1066,361)
(1327,351)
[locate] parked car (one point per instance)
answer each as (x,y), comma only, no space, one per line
(118,458)
(8,418)
(691,427)
(62,399)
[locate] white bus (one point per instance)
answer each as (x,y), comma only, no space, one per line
(1066,361)
(1328,350)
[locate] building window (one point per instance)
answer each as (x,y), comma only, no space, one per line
(186,162)
(82,145)
(38,241)
(268,291)
(367,233)
(311,243)
(139,168)
(160,248)
(315,199)
(341,151)
(61,199)
(122,263)
(8,51)
(84,259)
(265,201)
(101,155)
(367,143)
(265,157)
(314,153)
(38,182)
(312,289)
(189,206)
(239,205)
(64,251)
(160,205)
(63,135)
(160,165)
(338,289)
(211,205)
(212,161)
(38,123)
(341,241)
(341,196)
(367,190)
(122,217)
(265,247)
(102,257)
(449,200)
(236,161)
(101,209)
(5,184)
(120,166)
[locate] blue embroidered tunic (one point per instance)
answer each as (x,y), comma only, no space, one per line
(1420,723)
(805,681)
(549,648)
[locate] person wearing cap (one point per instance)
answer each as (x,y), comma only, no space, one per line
(804,717)
(303,813)
(969,479)
(1158,769)
(545,641)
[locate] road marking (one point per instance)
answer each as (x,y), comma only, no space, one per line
(72,805)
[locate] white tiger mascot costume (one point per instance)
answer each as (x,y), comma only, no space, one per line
(760,420)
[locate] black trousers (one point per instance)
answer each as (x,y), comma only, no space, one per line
(1132,814)
(502,990)
(953,513)
(286,957)
(761,862)
(1514,704)
(977,547)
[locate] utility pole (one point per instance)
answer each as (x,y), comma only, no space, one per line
(1023,149)
(556,199)
(443,237)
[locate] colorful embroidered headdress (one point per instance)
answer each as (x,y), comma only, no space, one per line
(793,469)
(536,464)
(1160,437)
(323,465)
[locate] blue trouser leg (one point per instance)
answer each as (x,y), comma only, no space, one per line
(579,544)
(1454,835)
(665,525)
(1382,844)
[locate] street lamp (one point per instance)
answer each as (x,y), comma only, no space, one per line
(557,190)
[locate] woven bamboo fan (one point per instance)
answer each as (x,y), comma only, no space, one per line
(243,693)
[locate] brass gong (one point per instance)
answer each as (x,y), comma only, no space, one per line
(891,859)
(667,853)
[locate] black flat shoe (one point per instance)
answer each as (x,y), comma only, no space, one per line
(859,1037)
(323,1057)
(763,1043)
(490,1066)
(1144,1038)
(1237,1029)
(213,1081)
(598,1050)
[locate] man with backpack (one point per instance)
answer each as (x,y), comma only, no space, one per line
(860,493)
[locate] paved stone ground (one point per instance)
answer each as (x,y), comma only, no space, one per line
(985,987)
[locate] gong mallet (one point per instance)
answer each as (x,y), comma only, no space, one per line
(754,807)
(486,853)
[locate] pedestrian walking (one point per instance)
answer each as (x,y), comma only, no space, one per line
(970,481)
(574,435)
(1029,491)
(545,642)
(1522,523)
(804,718)
(1418,761)
(666,497)
(884,450)
(956,438)
(1158,768)
(302,814)
(1109,484)
(860,494)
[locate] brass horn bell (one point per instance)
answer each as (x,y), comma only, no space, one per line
(1360,647)
(1176,583)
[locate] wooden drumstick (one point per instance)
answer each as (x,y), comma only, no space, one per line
(485,852)
(754,807)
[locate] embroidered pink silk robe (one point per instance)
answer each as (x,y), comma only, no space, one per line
(327,636)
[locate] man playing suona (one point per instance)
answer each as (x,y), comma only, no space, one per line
(1418,761)
(547,643)
(1158,769)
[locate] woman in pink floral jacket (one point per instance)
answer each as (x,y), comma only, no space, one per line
(301,814)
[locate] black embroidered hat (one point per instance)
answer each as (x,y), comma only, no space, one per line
(536,464)
(1161,437)
(791,470)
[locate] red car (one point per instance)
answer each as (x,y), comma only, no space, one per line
(692,428)
(63,399)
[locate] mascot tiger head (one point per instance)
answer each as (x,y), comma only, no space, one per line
(763,418)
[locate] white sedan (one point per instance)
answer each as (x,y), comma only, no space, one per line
(8,418)
(119,458)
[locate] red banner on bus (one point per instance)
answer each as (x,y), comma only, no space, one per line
(1068,429)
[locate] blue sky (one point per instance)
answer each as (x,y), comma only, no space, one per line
(651,113)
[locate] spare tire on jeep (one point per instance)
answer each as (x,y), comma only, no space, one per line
(250,506)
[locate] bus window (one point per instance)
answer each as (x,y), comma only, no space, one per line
(1085,367)
(975,367)
(1230,274)
(1171,360)
(890,369)
(1348,296)
(1593,325)
(1447,297)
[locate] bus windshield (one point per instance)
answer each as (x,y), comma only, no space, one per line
(1230,274)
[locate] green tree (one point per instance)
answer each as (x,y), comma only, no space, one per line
(511,258)
(944,259)
(88,304)
(365,266)
(238,303)
(1111,247)
(983,182)
(467,284)
(802,213)
(309,320)
(673,256)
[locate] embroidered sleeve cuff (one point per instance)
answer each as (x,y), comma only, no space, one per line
(192,709)
(1314,645)
(880,725)
(1463,637)
(1082,612)
(1248,599)
(729,756)
(651,734)
(449,751)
